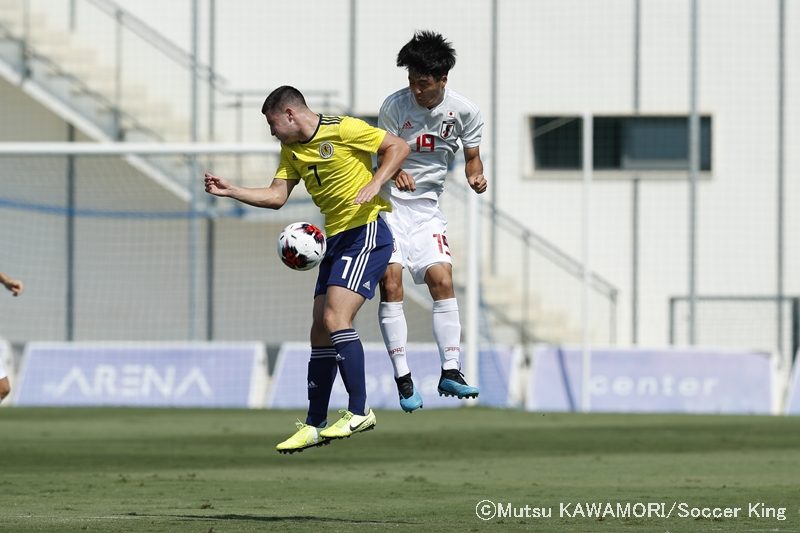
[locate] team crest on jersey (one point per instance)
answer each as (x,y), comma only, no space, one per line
(447,128)
(326,150)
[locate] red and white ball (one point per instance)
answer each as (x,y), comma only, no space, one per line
(301,246)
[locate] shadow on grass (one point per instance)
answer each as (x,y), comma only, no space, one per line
(271,519)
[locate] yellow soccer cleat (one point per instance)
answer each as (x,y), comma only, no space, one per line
(305,437)
(347,425)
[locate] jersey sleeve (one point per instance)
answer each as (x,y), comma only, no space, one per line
(473,129)
(387,119)
(285,169)
(360,135)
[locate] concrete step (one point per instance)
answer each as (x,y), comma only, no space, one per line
(14,21)
(68,57)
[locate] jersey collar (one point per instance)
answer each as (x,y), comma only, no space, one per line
(432,109)
(319,123)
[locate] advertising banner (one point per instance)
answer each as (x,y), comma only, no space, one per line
(142,374)
(682,380)
(793,401)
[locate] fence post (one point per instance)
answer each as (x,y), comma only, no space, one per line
(795,327)
(672,320)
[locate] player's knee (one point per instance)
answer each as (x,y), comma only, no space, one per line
(334,322)
(5,388)
(391,289)
(440,287)
(319,335)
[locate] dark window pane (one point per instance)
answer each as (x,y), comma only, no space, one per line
(607,141)
(655,143)
(705,143)
(662,143)
(557,142)
(620,143)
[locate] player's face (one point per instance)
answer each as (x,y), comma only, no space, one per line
(282,126)
(427,90)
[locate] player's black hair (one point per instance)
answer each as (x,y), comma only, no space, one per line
(428,53)
(280,97)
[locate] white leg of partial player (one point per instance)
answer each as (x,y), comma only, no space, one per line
(447,332)
(395,335)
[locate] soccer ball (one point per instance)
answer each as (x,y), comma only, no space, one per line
(301,246)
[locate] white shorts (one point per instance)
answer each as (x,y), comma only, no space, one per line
(420,235)
(2,367)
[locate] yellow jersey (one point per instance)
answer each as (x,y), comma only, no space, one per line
(334,164)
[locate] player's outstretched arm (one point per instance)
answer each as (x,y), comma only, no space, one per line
(13,285)
(272,197)
(391,154)
(474,169)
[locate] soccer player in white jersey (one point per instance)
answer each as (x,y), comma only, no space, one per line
(15,286)
(431,118)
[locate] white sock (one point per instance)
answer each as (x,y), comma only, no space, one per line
(447,332)
(395,335)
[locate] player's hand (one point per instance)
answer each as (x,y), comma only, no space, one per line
(216,185)
(478,183)
(367,192)
(404,181)
(15,286)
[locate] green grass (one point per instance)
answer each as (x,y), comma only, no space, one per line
(216,470)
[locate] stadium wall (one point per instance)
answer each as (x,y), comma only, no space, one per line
(557,57)
(569,57)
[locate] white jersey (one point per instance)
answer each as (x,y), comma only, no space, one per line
(432,135)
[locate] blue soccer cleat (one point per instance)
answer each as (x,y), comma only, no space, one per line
(410,399)
(452,384)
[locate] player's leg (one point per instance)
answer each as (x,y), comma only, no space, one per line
(322,370)
(5,387)
(342,306)
(353,280)
(436,271)
(394,330)
(447,331)
(446,320)
(391,317)
(322,367)
(340,310)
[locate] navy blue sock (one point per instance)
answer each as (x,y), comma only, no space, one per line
(351,366)
(321,375)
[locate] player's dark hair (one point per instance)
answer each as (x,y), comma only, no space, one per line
(427,53)
(280,98)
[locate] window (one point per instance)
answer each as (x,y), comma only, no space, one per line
(641,143)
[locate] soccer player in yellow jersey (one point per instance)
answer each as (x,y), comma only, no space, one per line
(332,156)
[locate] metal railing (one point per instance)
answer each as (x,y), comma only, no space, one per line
(526,248)
(218,97)
(739,320)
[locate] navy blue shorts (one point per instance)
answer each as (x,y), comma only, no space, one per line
(356,259)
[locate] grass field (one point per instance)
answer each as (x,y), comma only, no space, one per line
(217,471)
